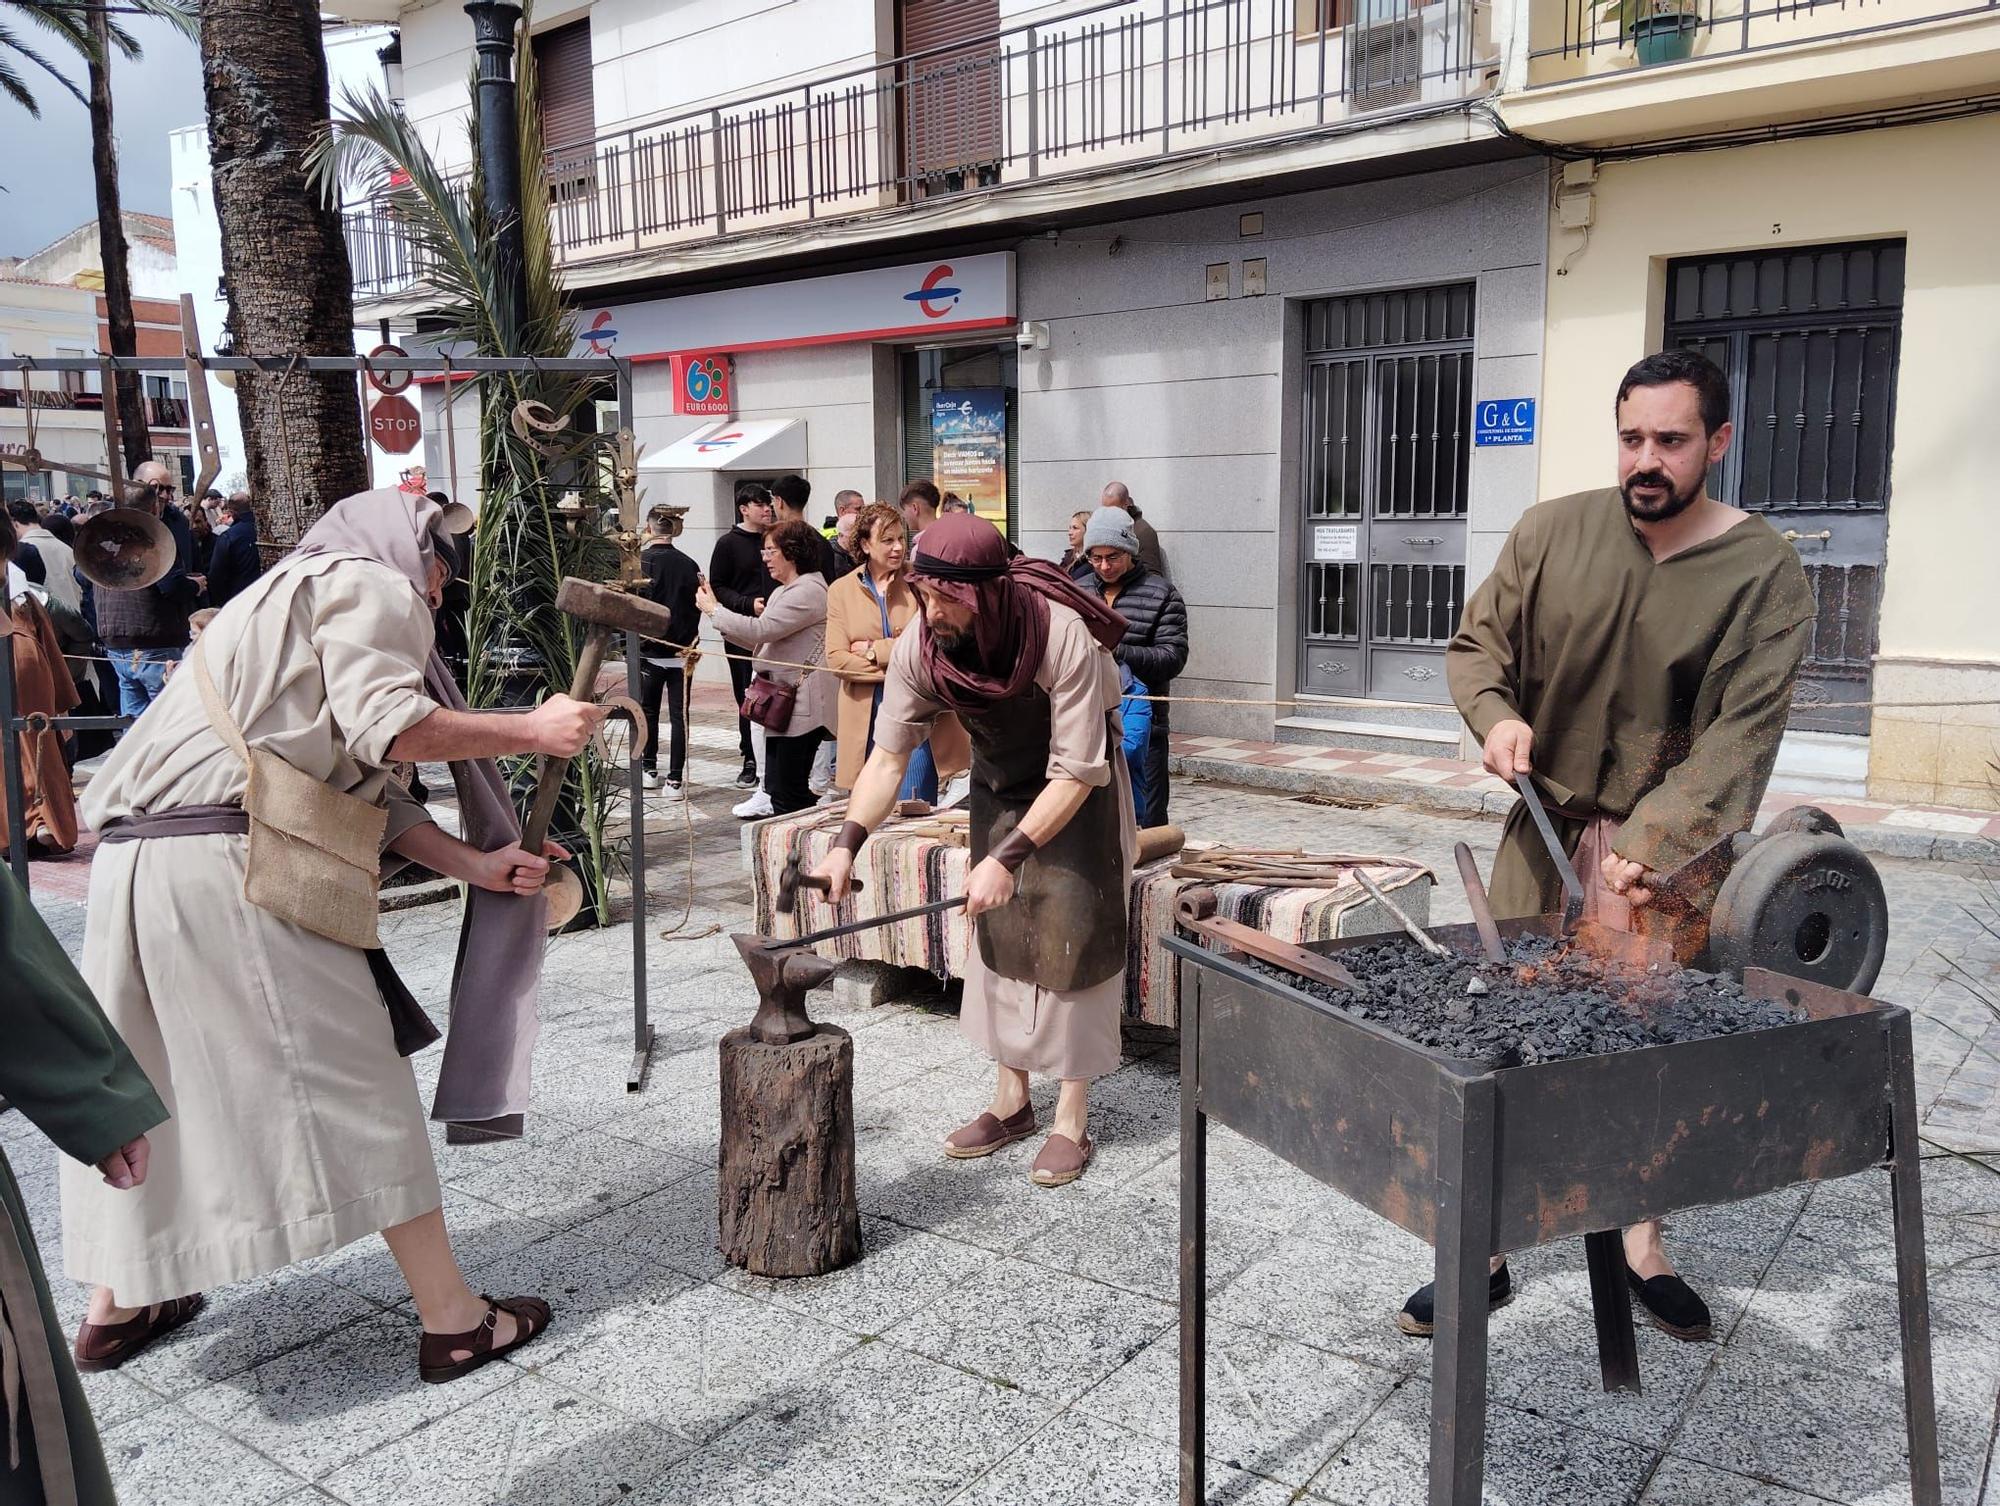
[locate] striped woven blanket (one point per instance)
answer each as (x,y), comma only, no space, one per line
(904,864)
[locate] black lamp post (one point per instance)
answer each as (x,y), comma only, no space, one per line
(493,24)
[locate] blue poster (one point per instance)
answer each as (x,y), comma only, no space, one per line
(969,448)
(1504,420)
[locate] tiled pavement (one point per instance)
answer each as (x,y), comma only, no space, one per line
(1004,1344)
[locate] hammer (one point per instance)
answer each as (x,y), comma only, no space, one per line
(791,881)
(604,610)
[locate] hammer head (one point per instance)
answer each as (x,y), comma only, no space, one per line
(606,606)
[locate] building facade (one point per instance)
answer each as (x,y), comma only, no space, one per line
(1338,288)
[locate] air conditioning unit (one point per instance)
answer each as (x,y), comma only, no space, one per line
(1397,53)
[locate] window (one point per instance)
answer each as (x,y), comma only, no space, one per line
(568,104)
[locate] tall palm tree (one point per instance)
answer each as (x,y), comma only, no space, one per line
(284,259)
(524,544)
(87,30)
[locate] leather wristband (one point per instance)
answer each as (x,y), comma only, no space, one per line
(1012,850)
(852,835)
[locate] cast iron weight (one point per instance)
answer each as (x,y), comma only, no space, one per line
(1572,885)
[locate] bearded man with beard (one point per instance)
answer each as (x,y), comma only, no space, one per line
(1634,650)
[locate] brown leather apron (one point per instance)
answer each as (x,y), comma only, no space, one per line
(1065,927)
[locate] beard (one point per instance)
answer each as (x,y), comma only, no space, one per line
(952,640)
(1670,506)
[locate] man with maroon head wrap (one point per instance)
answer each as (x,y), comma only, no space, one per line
(1022,656)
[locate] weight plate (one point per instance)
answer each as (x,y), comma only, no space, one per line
(1806,818)
(1808,904)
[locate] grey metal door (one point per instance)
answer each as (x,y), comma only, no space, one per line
(1809,339)
(1388,433)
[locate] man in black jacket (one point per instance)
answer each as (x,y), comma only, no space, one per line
(671,578)
(791,494)
(146,630)
(737,575)
(235,563)
(1156,632)
(1117,494)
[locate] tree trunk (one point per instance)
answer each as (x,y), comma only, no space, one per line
(134,437)
(284,259)
(786,1183)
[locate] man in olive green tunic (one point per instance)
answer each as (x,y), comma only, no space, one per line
(1634,649)
(69,1073)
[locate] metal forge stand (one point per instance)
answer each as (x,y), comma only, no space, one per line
(1478,1163)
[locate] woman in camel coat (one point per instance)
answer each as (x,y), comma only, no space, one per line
(865,610)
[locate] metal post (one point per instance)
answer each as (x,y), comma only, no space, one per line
(1034,108)
(493,24)
(1906,1202)
(1194,1249)
(1464,1244)
(642,1027)
(10,756)
(1611,1309)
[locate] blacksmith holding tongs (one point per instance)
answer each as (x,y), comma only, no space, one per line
(1634,650)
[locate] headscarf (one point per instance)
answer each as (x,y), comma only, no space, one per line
(483,1080)
(965,558)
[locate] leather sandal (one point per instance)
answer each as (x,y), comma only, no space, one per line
(435,1353)
(1062,1161)
(106,1346)
(989,1133)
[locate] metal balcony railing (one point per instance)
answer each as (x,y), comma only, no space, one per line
(1118,84)
(1573,39)
(166,413)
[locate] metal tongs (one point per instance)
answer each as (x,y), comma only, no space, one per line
(1565,869)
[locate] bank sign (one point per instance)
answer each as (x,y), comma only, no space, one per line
(917,300)
(702,382)
(1504,420)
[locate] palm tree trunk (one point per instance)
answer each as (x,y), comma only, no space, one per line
(284,259)
(134,438)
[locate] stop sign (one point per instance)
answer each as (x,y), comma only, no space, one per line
(394,425)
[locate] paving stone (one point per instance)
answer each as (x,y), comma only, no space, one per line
(586,1282)
(1275,1407)
(480,1231)
(168,1458)
(244,1325)
(901,1271)
(1135,1243)
(676,1226)
(1528,1459)
(529,1444)
(577,1177)
(116,1395)
(1682,1482)
(316,1409)
(1342,1300)
(1083,1461)
(698,1362)
(1049,1333)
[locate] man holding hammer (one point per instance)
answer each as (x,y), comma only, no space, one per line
(1023,657)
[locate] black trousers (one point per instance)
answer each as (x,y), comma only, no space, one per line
(657,680)
(1155,812)
(788,765)
(739,681)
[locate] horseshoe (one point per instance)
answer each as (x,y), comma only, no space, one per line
(531,418)
(618,705)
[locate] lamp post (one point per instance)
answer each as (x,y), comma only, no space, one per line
(493,24)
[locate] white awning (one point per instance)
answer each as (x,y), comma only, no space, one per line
(750,444)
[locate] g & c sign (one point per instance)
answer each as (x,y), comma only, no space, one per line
(704,382)
(1504,420)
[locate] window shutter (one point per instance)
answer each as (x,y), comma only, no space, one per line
(562,74)
(951,100)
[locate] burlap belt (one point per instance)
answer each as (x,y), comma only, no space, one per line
(413,1027)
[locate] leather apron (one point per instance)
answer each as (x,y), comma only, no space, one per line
(1065,927)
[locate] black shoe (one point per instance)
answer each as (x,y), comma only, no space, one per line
(1672,1306)
(1418,1315)
(747,780)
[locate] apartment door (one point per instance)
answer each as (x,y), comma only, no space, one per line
(950,96)
(1809,338)
(1388,435)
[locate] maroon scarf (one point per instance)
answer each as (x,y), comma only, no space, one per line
(967,559)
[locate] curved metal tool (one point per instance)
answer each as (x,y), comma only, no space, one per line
(1418,934)
(1565,869)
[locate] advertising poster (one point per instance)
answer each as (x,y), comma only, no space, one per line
(969,448)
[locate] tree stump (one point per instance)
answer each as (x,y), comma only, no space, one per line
(787,1175)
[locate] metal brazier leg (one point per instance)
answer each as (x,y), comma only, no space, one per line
(1464,1246)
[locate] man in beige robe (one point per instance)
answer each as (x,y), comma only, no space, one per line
(1021,656)
(296,1126)
(1634,650)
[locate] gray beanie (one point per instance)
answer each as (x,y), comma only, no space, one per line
(1110,528)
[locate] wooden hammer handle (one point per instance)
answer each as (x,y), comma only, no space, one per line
(550,770)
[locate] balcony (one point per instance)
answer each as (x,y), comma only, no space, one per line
(166,412)
(1116,86)
(1718,65)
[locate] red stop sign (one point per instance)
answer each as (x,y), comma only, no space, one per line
(395,425)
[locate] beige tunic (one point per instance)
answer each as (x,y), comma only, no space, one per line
(1058,1033)
(295,1126)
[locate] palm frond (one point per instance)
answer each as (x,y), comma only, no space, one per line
(11,41)
(68,21)
(15,87)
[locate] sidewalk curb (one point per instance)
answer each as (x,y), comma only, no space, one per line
(1879,841)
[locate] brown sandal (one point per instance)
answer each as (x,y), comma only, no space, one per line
(106,1346)
(434,1354)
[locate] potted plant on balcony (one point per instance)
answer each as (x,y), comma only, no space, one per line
(1662,31)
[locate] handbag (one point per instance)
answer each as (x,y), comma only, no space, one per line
(315,852)
(768,703)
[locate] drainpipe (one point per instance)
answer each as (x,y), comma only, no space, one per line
(493,24)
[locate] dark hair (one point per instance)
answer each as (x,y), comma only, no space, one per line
(9,539)
(238,506)
(922,491)
(798,542)
(1666,367)
(21,510)
(793,491)
(872,517)
(749,493)
(61,527)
